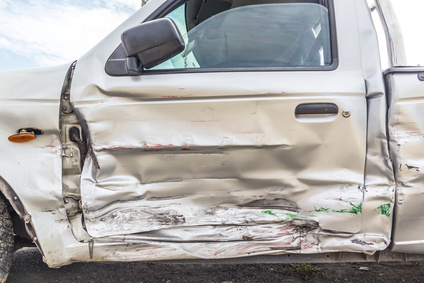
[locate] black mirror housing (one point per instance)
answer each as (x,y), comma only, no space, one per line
(153,42)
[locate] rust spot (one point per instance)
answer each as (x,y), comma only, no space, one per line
(47,146)
(414,133)
(158,146)
(113,147)
(163,145)
(176,96)
(148,247)
(231,228)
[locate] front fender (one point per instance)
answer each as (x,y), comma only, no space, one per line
(31,99)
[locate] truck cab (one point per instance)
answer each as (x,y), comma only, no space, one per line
(223,130)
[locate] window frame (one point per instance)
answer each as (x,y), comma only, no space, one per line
(170,6)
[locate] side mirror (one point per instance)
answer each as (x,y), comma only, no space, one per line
(152,43)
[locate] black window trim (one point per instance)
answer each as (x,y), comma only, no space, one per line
(170,6)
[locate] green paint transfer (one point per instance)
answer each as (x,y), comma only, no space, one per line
(355,209)
(385,209)
(322,209)
(292,215)
(285,216)
(269,212)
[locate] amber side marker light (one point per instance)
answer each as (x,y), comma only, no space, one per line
(24,137)
(25,134)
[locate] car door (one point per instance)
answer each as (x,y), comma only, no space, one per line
(406,135)
(251,141)
(405,84)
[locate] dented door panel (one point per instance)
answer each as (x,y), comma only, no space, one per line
(31,171)
(216,165)
(407,150)
(203,156)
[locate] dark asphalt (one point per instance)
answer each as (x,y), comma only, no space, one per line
(29,267)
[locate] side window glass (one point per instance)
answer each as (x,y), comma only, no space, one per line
(177,62)
(237,34)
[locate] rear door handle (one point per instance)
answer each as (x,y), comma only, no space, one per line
(316,109)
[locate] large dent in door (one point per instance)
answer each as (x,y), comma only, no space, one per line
(153,197)
(161,181)
(406,144)
(244,200)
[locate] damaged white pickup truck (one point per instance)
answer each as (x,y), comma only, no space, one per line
(262,130)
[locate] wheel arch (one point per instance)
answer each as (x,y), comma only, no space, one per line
(23,230)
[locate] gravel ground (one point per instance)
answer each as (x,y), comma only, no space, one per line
(29,267)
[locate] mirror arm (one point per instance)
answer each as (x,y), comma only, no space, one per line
(134,66)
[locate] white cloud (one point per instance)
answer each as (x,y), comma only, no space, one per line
(57,32)
(132,4)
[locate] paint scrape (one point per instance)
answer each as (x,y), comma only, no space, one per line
(385,209)
(355,209)
(286,216)
(362,243)
(269,212)
(321,209)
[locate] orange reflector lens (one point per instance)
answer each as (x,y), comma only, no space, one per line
(22,137)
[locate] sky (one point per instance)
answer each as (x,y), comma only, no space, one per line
(38,33)
(409,14)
